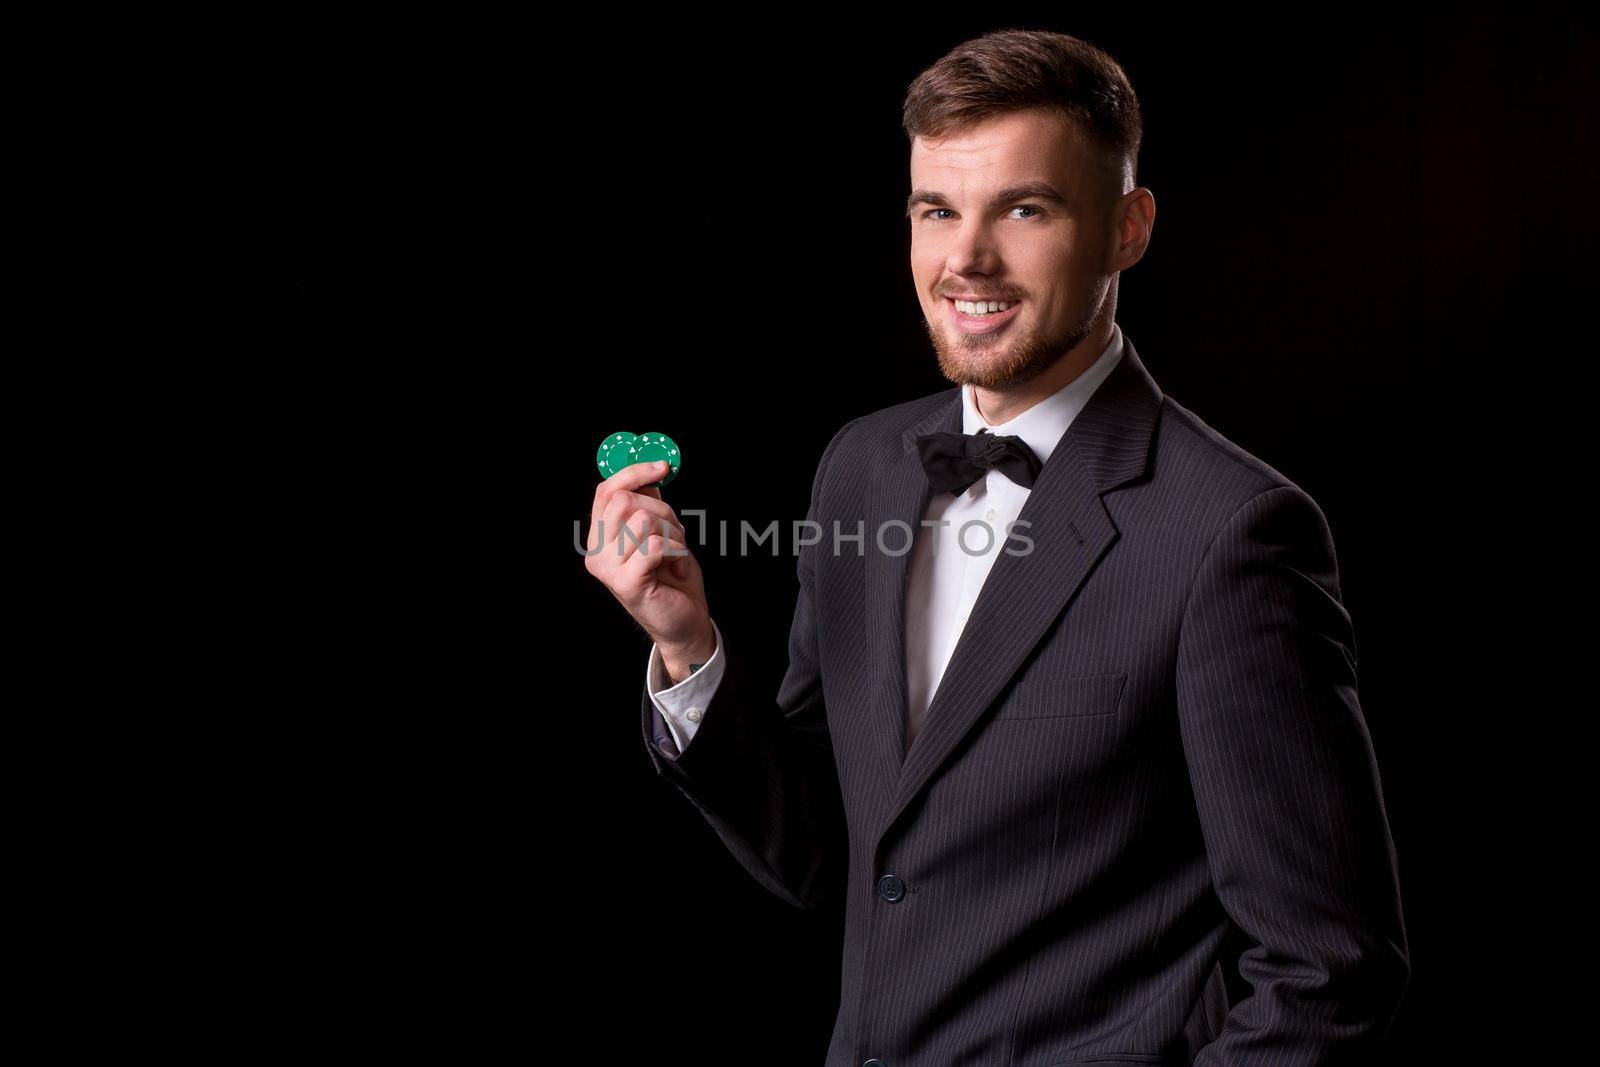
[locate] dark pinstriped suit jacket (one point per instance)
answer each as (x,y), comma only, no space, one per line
(1142,822)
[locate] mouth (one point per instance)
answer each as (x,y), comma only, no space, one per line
(976,317)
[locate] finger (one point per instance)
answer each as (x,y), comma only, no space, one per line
(654,505)
(640,525)
(632,478)
(603,533)
(652,554)
(681,568)
(661,468)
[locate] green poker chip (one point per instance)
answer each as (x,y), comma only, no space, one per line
(622,454)
(654,447)
(601,457)
(623,449)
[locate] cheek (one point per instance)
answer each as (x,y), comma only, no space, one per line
(1052,253)
(1049,267)
(927,261)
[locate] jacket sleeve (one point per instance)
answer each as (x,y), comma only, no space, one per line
(1287,792)
(764,775)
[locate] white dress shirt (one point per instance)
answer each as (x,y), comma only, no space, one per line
(960,537)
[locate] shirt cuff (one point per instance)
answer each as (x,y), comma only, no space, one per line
(682,705)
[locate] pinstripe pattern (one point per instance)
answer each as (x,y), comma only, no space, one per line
(1143,821)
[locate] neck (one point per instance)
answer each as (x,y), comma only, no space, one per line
(999,406)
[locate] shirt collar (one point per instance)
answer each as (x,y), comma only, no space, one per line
(1042,425)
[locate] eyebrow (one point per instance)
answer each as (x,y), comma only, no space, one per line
(1029,191)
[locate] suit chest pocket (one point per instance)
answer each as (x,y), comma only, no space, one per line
(1039,695)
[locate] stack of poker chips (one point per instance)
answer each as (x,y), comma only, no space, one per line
(625,449)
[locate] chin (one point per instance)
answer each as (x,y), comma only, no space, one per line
(1003,365)
(993,371)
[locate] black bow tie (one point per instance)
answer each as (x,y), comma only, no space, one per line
(956,460)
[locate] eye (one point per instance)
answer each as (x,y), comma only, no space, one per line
(930,211)
(1028,207)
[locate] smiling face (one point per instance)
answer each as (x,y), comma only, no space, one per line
(1015,209)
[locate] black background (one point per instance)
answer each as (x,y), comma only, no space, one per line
(489,247)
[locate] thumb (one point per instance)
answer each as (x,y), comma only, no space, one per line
(655,490)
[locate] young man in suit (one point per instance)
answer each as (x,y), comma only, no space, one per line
(1073,728)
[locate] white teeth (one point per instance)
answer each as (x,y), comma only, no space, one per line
(981,307)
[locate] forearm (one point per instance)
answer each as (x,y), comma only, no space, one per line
(764,775)
(681,660)
(1287,792)
(767,784)
(680,704)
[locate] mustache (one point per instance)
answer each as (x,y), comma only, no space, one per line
(947,294)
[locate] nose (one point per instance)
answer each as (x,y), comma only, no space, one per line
(973,251)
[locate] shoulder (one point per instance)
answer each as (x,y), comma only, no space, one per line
(1196,458)
(1231,498)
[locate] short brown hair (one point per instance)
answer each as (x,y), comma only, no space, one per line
(1010,70)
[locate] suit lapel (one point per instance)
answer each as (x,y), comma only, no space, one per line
(1107,445)
(899,494)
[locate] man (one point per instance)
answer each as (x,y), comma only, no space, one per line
(1096,792)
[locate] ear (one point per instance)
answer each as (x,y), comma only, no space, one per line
(1132,222)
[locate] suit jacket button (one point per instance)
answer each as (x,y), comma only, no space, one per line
(873,1063)
(891,888)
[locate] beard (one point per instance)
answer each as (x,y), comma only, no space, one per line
(1002,361)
